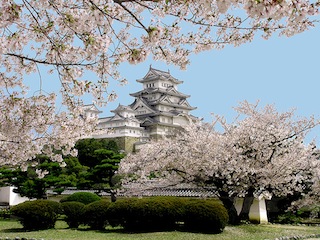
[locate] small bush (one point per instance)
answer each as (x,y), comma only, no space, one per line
(5,213)
(73,212)
(288,218)
(96,214)
(83,197)
(38,214)
(205,216)
(310,211)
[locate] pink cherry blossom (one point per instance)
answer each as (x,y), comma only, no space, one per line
(71,40)
(261,153)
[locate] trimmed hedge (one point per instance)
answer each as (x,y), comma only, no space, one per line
(96,214)
(119,212)
(148,214)
(83,197)
(73,212)
(205,216)
(168,213)
(38,214)
(133,214)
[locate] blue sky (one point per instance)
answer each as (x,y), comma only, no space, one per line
(281,71)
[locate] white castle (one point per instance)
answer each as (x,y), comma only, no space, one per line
(158,109)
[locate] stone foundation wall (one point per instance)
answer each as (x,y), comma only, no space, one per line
(126,143)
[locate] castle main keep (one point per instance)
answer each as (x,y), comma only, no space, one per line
(157,110)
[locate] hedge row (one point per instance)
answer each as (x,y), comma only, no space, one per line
(133,214)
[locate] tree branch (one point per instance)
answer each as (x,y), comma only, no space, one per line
(48,63)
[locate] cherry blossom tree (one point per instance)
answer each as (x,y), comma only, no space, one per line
(67,40)
(261,154)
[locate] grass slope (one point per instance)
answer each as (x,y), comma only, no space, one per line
(13,229)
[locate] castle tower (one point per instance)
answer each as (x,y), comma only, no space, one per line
(160,107)
(157,110)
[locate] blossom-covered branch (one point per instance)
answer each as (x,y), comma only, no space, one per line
(74,39)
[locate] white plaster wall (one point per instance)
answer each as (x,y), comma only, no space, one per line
(115,134)
(182,121)
(258,211)
(7,195)
(238,204)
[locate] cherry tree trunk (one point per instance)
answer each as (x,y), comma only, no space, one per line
(247,202)
(228,203)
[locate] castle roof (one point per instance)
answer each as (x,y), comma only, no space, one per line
(122,108)
(154,74)
(91,108)
(170,91)
(118,117)
(165,100)
(140,103)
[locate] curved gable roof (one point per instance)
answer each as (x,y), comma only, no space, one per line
(122,108)
(91,108)
(139,103)
(153,74)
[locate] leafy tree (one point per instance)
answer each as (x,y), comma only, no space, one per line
(102,158)
(103,173)
(7,175)
(262,154)
(99,174)
(30,184)
(74,174)
(86,150)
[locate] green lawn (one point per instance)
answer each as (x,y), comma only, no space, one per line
(13,229)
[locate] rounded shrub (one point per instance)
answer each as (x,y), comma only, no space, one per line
(158,213)
(96,214)
(147,214)
(83,197)
(205,216)
(38,214)
(73,212)
(119,212)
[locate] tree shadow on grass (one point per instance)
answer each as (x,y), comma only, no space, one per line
(98,231)
(15,230)
(121,230)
